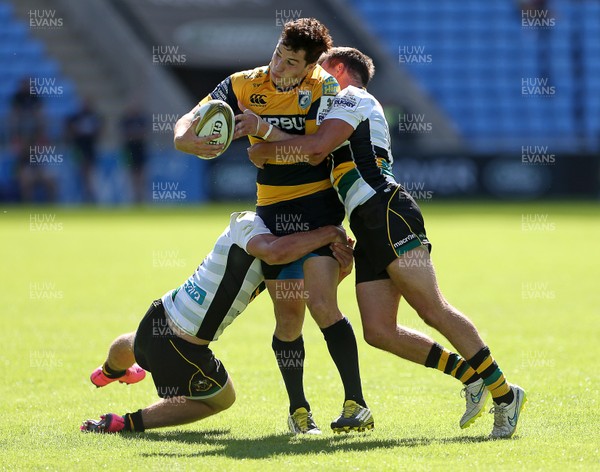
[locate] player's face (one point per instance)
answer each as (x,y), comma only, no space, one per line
(287,67)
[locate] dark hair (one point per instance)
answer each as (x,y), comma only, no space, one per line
(307,34)
(360,65)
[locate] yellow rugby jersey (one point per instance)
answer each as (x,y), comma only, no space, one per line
(296,111)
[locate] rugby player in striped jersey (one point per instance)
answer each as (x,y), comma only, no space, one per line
(172,340)
(392,248)
(291,95)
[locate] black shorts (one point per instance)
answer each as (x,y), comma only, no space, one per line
(179,368)
(386,226)
(298,215)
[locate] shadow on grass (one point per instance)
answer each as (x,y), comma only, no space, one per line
(219,442)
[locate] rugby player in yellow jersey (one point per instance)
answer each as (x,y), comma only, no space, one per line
(172,340)
(291,95)
(392,249)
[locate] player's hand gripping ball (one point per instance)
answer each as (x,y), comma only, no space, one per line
(216,116)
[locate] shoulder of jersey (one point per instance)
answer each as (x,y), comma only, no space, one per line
(244,225)
(355,91)
(324,80)
(352,98)
(242,217)
(257,75)
(244,221)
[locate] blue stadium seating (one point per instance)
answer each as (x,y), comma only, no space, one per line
(480,54)
(23,56)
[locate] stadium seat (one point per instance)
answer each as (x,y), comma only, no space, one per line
(6,11)
(481,53)
(15,30)
(23,56)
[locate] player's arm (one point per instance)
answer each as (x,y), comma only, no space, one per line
(311,148)
(249,123)
(285,249)
(185,138)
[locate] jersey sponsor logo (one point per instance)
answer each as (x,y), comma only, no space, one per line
(222,90)
(402,242)
(253,74)
(195,292)
(324,107)
(287,122)
(330,86)
(258,99)
(348,102)
(219,94)
(304,98)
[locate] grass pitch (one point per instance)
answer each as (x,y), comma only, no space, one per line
(72,280)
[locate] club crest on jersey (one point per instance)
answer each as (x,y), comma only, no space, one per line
(304,98)
(202,385)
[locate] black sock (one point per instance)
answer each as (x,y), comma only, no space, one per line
(434,356)
(112,373)
(341,343)
(290,360)
(133,422)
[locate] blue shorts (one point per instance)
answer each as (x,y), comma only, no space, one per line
(294,270)
(295,216)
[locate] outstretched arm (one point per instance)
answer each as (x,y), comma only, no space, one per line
(311,148)
(284,249)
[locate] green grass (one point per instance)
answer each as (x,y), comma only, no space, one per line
(69,287)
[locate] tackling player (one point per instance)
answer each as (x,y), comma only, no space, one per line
(291,95)
(173,337)
(392,249)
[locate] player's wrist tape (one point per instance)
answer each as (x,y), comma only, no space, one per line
(257,124)
(268,131)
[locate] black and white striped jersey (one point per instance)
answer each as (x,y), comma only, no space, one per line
(361,165)
(223,285)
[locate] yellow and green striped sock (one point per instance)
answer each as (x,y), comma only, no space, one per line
(451,363)
(494,379)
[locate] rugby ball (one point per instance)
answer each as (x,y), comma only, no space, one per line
(216,116)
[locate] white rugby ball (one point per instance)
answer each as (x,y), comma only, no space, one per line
(216,117)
